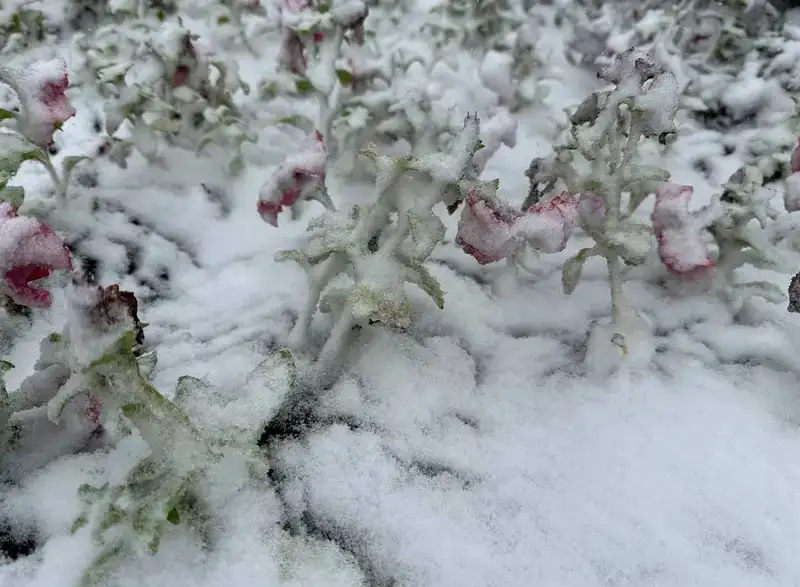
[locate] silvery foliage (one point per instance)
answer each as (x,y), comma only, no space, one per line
(740,221)
(504,35)
(598,159)
(479,26)
(395,96)
(358,259)
(160,89)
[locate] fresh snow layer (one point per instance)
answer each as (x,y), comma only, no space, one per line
(472,452)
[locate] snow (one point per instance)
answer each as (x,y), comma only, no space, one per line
(473,451)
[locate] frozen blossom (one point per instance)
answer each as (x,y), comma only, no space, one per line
(490,229)
(29,251)
(41,88)
(679,234)
(301,173)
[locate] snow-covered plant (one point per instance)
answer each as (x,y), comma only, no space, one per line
(314,35)
(43,108)
(85,15)
(597,162)
(300,176)
(791,198)
(515,72)
(739,222)
(380,255)
(162,86)
(94,379)
(477,25)
(709,245)
(25,24)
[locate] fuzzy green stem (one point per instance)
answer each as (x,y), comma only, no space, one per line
(58,183)
(318,279)
(329,357)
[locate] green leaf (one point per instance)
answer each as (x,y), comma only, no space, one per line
(345,77)
(123,347)
(223,19)
(428,283)
(173,517)
(5,367)
(304,86)
(188,388)
(14,151)
(79,523)
(68,165)
(14,195)
(6,114)
(297,121)
(571,273)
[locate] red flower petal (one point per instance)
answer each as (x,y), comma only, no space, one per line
(680,239)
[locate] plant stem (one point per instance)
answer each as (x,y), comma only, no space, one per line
(61,187)
(318,279)
(329,356)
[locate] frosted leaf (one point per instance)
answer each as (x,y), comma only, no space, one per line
(592,210)
(632,63)
(501,129)
(794,161)
(495,74)
(658,104)
(791,197)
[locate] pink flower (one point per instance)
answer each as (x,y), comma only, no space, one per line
(794,162)
(548,225)
(295,5)
(293,53)
(29,250)
(679,235)
(490,229)
(487,228)
(299,174)
(41,88)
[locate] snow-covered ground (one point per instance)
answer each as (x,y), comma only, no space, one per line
(470,452)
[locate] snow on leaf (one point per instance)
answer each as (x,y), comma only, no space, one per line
(14,151)
(573,267)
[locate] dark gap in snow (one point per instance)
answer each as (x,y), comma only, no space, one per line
(461,272)
(353,423)
(16,541)
(14,547)
(324,529)
(467,420)
(148,227)
(295,416)
(434,470)
(220,197)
